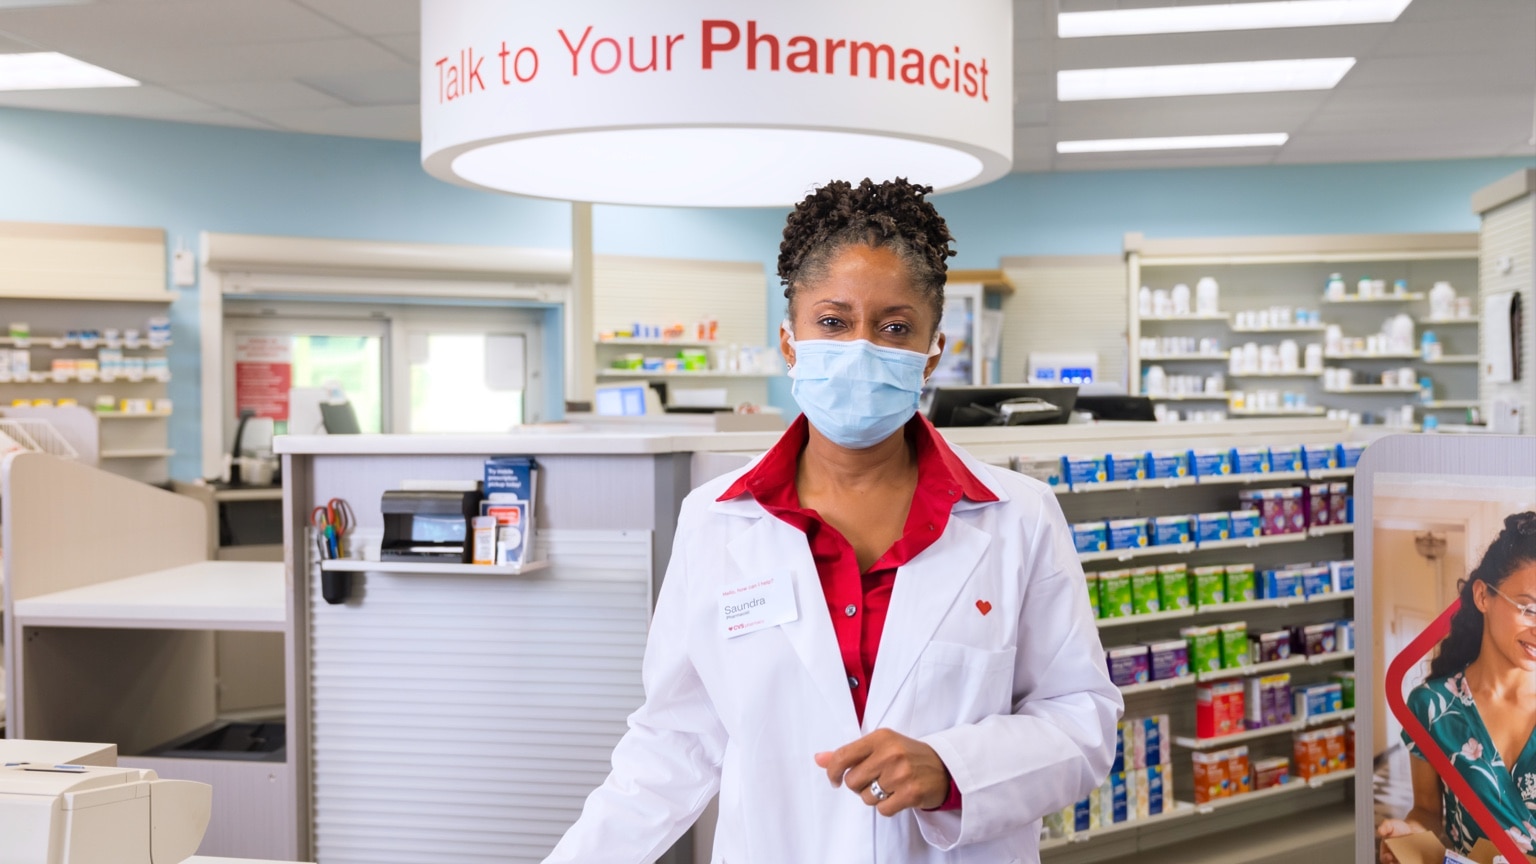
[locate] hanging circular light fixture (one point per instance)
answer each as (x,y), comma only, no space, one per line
(714,103)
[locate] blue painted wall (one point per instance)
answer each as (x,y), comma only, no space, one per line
(187,178)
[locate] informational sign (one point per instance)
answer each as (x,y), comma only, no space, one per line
(263,374)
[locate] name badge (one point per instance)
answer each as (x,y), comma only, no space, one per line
(760,603)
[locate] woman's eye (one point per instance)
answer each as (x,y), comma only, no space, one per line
(830,322)
(898,329)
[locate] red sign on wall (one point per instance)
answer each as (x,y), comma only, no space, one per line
(263,374)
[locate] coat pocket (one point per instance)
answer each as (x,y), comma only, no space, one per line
(962,684)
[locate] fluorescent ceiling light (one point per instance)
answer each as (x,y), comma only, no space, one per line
(49,70)
(1187,142)
(1228,16)
(1201,79)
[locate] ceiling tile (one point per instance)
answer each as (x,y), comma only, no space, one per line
(1470,36)
(202,64)
(182,24)
(399,87)
(1173,159)
(408,46)
(14,46)
(1228,47)
(145,101)
(1451,10)
(1194,115)
(1410,72)
(260,95)
(384,121)
(372,17)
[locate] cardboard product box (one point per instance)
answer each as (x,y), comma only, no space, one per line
(1318,505)
(1128,664)
(1169,659)
(1282,583)
(1146,597)
(1211,463)
(1171,530)
(1218,709)
(1316,581)
(1210,770)
(1092,581)
(1234,644)
(1343,574)
(1344,635)
(1333,741)
(1085,470)
(1339,501)
(1320,457)
(1136,794)
(1096,805)
(1288,458)
(1267,700)
(1159,789)
(1424,848)
(1271,506)
(1317,700)
(1241,583)
(1247,524)
(1115,599)
(1271,772)
(1153,739)
(1349,455)
(1269,647)
(1238,767)
(1091,536)
(1349,744)
(1127,466)
(1168,464)
(1050,471)
(1081,815)
(1213,527)
(1311,754)
(1129,533)
(1312,639)
(1204,648)
(1210,585)
(1173,586)
(1121,749)
(1118,797)
(1250,460)
(1292,509)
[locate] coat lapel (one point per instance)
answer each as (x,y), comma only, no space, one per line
(924,591)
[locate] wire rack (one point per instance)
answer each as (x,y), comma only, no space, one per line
(35,435)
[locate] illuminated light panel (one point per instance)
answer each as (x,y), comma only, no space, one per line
(1227,16)
(1201,79)
(1186,142)
(50,70)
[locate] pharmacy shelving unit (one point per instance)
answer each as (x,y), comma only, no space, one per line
(1219,829)
(63,278)
(1257,273)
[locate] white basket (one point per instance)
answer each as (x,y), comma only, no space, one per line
(35,435)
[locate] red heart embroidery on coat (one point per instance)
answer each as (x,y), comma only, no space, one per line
(984,606)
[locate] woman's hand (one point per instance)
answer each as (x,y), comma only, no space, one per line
(909,771)
(1394,828)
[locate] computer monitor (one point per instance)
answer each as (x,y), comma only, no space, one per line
(339,418)
(1001,405)
(1117,407)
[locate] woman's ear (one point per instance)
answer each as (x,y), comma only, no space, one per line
(1480,596)
(786,344)
(933,361)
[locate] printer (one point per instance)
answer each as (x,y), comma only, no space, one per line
(87,814)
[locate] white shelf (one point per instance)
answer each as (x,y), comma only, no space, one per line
(1385,355)
(1188,548)
(124,415)
(1331,474)
(1450,404)
(707,373)
(1292,662)
(58,343)
(1178,482)
(1158,686)
(425,568)
(1185,358)
(1369,389)
(210,595)
(1243,479)
(74,379)
(1274,603)
(1455,360)
(1441,322)
(660,343)
(1330,530)
(1223,741)
(90,297)
(1343,716)
(1192,397)
(1260,794)
(1252,542)
(1292,328)
(1219,316)
(1125,620)
(1300,373)
(145,453)
(1385,298)
(1177,810)
(1279,412)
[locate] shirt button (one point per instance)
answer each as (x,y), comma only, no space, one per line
(931,528)
(850,610)
(853,682)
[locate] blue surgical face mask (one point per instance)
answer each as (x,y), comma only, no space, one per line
(856,393)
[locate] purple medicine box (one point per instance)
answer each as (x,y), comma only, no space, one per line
(1128,665)
(1170,659)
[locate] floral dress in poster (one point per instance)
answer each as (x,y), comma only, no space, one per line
(1446,708)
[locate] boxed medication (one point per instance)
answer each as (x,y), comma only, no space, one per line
(1238,770)
(1168,465)
(1146,599)
(1120,749)
(1211,463)
(1268,700)
(1173,586)
(1213,527)
(1115,599)
(1344,635)
(1128,665)
(1320,457)
(1128,533)
(1241,583)
(1349,744)
(1092,580)
(1316,700)
(1346,682)
(1319,505)
(1313,639)
(1168,530)
(1316,580)
(1082,470)
(1152,739)
(1271,772)
(1169,659)
(1339,502)
(1349,455)
(1247,524)
(1333,745)
(1289,458)
(1292,511)
(1269,647)
(1218,709)
(1234,644)
(1091,536)
(1250,460)
(1050,471)
(1210,585)
(1282,583)
(1343,573)
(1210,776)
(1204,648)
(1159,789)
(1311,754)
(1127,466)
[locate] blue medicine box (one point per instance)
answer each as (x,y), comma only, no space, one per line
(1168,530)
(1085,469)
(1119,763)
(1246,524)
(1156,785)
(1282,583)
(1287,458)
(1320,457)
(1127,466)
(1091,536)
(1168,465)
(1343,573)
(1081,813)
(1315,581)
(1250,460)
(1211,463)
(1349,455)
(1128,534)
(1213,527)
(1118,796)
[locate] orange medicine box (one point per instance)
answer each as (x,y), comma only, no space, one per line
(1238,780)
(1210,777)
(1311,754)
(1333,739)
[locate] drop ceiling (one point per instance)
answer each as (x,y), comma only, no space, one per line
(1448,79)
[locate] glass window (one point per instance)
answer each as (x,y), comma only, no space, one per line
(466,382)
(352,363)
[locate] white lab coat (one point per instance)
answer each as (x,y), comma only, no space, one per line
(1017,702)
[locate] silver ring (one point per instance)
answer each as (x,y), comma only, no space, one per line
(880,794)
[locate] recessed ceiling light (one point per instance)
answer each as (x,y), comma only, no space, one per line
(1227,16)
(1201,79)
(50,70)
(1187,142)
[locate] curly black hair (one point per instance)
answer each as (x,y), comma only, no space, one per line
(1515,547)
(893,215)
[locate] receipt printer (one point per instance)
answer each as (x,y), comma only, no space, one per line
(428,525)
(79,814)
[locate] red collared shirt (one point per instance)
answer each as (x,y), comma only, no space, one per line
(858,601)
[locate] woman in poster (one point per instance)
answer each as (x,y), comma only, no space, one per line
(1479,703)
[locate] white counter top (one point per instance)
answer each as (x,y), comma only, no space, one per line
(210,595)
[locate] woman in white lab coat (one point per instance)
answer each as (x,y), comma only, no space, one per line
(873,647)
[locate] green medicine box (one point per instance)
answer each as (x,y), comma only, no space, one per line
(1093,593)
(1115,598)
(1234,644)
(1241,583)
(1204,648)
(1346,682)
(1145,597)
(1173,586)
(1210,585)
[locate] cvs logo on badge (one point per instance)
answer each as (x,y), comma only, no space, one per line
(763,602)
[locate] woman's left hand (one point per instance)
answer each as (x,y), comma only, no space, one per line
(909,771)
